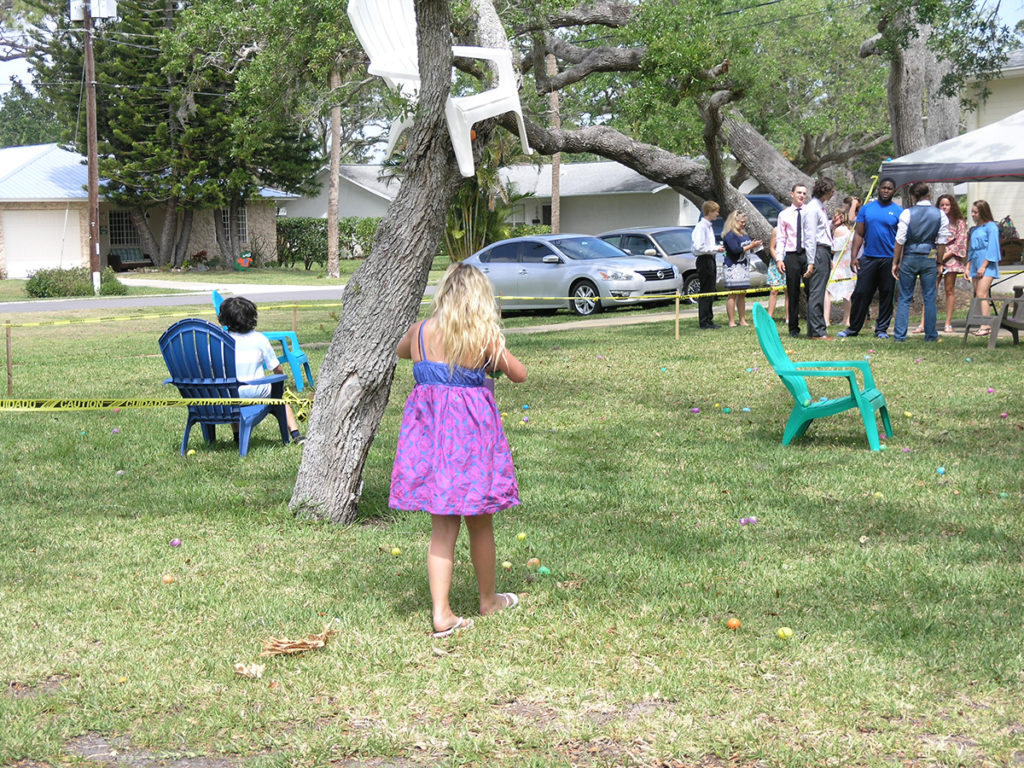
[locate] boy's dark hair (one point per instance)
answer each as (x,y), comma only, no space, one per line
(822,187)
(238,314)
(920,190)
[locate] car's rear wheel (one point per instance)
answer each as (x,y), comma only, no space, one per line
(585,299)
(691,287)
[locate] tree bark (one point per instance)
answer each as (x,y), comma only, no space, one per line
(169,232)
(764,162)
(149,244)
(383,297)
(181,249)
(333,269)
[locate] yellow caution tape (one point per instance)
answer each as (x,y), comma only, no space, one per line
(86,404)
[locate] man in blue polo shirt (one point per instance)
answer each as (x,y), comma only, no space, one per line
(876,232)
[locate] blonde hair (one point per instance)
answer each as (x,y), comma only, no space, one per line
(468,325)
(732,223)
(710,206)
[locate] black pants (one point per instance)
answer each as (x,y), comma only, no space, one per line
(707,273)
(872,274)
(796,265)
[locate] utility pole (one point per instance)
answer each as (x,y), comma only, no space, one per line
(92,151)
(85,11)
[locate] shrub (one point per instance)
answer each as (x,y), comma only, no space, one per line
(58,283)
(522,230)
(304,239)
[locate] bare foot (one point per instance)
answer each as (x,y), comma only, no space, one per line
(502,601)
(745,324)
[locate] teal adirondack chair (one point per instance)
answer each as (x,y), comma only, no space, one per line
(866,399)
(290,349)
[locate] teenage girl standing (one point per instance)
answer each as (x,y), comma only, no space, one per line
(453,459)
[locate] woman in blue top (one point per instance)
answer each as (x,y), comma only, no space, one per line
(737,268)
(983,256)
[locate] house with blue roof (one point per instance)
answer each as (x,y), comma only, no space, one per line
(44,216)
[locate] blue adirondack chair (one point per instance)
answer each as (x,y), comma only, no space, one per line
(200,357)
(866,399)
(291,350)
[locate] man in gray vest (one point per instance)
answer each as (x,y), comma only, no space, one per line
(920,245)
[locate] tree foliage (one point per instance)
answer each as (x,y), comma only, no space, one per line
(25,118)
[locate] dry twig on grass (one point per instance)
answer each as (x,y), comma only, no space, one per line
(276,646)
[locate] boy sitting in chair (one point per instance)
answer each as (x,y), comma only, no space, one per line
(253,356)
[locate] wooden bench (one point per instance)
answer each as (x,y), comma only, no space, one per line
(121,259)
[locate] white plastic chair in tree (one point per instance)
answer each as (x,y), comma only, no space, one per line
(387,31)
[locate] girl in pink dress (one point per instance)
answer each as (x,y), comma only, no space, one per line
(955,261)
(453,459)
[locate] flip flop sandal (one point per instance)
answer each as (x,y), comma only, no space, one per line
(458,626)
(981,332)
(511,599)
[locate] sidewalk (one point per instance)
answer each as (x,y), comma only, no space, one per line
(235,289)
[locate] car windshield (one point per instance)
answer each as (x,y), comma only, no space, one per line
(587,248)
(673,241)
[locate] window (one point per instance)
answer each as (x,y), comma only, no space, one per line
(242,231)
(636,244)
(517,215)
(534,253)
(122,231)
(501,254)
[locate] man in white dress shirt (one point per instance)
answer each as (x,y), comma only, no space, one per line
(705,250)
(817,239)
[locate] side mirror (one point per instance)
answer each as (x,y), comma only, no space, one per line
(650,252)
(551,259)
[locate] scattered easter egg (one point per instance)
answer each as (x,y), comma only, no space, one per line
(115,431)
(941,470)
(695,410)
(749,370)
(806,402)
(526,407)
(785,633)
(746,410)
(883,447)
(917,359)
(507,565)
(871,351)
(718,405)
(119,472)
(755,368)
(1004,495)
(744,520)
(1003,415)
(733,623)
(543,570)
(600,357)
(968,359)
(191,452)
(175,542)
(727,410)
(117,410)
(906,450)
(990,390)
(878,495)
(396,551)
(526,419)
(83,431)
(122,680)
(504,415)
(908,415)
(752,520)
(168,579)
(664,369)
(533,562)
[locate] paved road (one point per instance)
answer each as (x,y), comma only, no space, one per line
(199,294)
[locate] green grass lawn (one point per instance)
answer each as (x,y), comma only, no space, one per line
(902,585)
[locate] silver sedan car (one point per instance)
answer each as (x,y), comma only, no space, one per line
(675,245)
(583,271)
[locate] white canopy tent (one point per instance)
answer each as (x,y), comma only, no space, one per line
(994,152)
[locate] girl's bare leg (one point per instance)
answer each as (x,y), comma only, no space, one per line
(828,308)
(773,298)
(730,308)
(440,564)
(741,307)
(482,552)
(950,278)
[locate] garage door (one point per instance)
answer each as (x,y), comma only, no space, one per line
(41,240)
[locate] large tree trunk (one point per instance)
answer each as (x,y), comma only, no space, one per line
(223,237)
(333,269)
(383,296)
(181,249)
(169,232)
(150,247)
(762,160)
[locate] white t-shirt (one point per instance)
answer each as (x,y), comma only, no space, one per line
(253,356)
